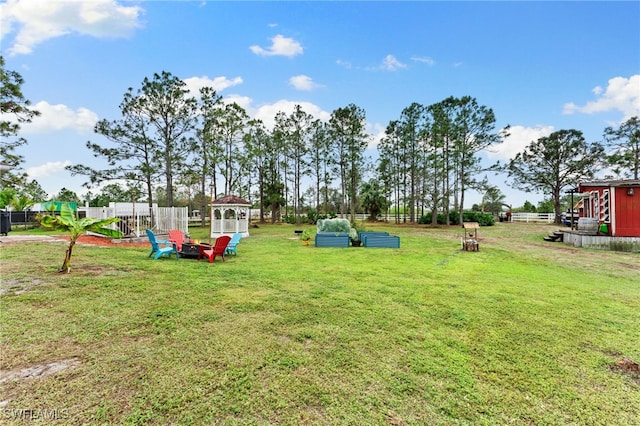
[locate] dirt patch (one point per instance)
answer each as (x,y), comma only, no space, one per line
(19,286)
(39,371)
(630,266)
(104,241)
(629,367)
(93,240)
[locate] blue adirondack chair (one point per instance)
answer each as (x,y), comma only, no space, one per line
(160,247)
(231,247)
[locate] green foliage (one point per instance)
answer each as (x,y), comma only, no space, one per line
(67,221)
(9,197)
(527,207)
(306,234)
(290,219)
(484,219)
(34,191)
(312,217)
(432,152)
(274,197)
(359,226)
(625,144)
(112,193)
(426,219)
(6,195)
(373,199)
(442,218)
(347,126)
(21,202)
(554,163)
(66,195)
(493,200)
(151,139)
(13,105)
(545,206)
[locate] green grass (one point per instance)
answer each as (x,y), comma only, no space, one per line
(521,332)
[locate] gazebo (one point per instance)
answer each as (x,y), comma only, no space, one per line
(230,215)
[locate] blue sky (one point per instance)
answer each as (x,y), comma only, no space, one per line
(541,66)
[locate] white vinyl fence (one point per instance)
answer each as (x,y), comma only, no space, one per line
(533,217)
(133,222)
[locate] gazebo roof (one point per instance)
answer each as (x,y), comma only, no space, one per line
(231,200)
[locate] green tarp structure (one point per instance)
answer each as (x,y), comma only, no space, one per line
(55,206)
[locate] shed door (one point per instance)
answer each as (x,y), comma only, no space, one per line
(627,213)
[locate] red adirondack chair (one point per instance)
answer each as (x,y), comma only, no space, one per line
(218,249)
(176,236)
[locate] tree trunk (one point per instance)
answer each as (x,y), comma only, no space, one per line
(66,265)
(556,207)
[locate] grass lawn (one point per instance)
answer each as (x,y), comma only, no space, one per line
(521,332)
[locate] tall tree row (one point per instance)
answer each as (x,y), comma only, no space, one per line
(347,129)
(206,149)
(295,132)
(168,138)
(430,155)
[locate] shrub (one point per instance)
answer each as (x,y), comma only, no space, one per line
(484,219)
(312,216)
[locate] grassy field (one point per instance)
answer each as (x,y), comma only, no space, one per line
(521,332)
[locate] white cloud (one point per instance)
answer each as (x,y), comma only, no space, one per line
(280,46)
(47,169)
(424,59)
(622,94)
(267,112)
(194,84)
(389,63)
(243,101)
(303,82)
(377,132)
(60,117)
(344,64)
(519,138)
(39,20)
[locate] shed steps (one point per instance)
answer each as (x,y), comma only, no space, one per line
(556,236)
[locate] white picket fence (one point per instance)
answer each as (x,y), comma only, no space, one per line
(135,222)
(533,217)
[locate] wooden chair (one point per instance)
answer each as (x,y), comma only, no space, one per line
(218,249)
